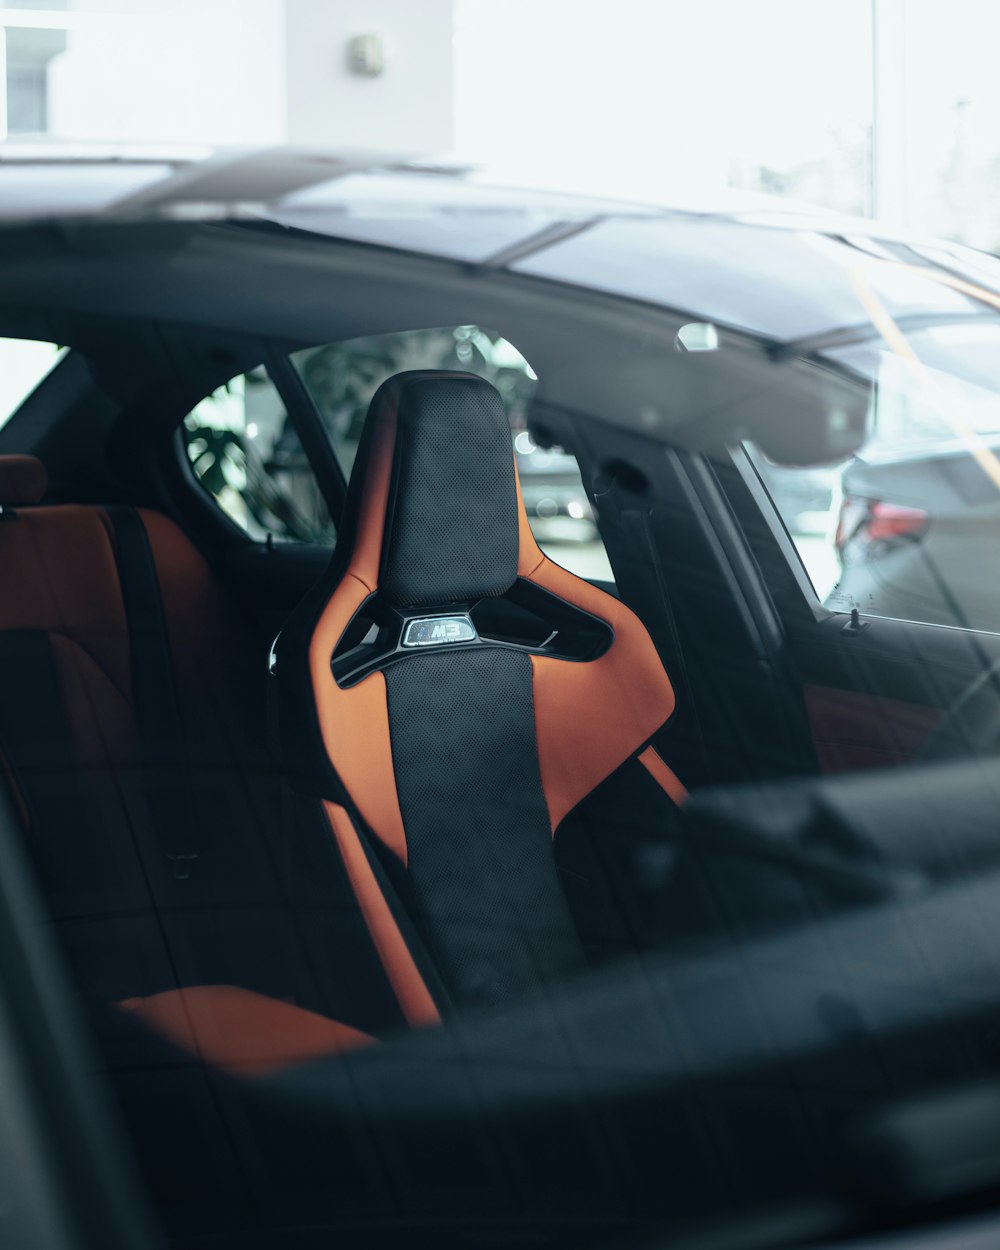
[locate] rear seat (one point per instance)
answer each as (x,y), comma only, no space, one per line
(132,740)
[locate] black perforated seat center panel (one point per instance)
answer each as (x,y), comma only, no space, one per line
(479,845)
(467,549)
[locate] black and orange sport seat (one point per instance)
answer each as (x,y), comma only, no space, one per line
(452,697)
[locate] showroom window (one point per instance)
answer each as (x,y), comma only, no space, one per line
(67,65)
(948,151)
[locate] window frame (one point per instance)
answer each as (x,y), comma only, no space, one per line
(792,558)
(783,540)
(35,403)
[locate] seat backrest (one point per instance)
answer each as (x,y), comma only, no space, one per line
(198,926)
(133,742)
(452,695)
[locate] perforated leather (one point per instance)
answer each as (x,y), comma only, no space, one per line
(481,860)
(451,533)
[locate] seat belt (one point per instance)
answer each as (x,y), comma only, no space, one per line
(167,765)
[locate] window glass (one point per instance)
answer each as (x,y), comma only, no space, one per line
(23,364)
(908,525)
(30,50)
(245,452)
(343,377)
(950,167)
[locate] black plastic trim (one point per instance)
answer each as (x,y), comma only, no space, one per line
(569,633)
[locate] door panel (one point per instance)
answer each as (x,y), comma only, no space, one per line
(873,698)
(851,730)
(873,694)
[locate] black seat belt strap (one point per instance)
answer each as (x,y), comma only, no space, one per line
(157,710)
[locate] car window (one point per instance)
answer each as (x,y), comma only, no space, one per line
(23,364)
(905,527)
(342,377)
(245,453)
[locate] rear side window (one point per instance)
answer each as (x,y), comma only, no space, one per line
(245,453)
(341,379)
(23,364)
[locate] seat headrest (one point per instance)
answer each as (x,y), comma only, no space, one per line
(450,522)
(23,480)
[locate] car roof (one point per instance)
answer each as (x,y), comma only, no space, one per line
(51,181)
(120,179)
(750,263)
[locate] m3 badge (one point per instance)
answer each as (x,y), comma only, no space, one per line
(438,631)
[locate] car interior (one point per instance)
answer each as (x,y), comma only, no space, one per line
(412,882)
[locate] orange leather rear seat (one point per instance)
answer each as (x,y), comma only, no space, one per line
(159,842)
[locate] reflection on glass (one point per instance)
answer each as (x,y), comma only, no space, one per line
(246,454)
(908,526)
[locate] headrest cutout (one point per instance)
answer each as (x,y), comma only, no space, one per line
(23,481)
(451,519)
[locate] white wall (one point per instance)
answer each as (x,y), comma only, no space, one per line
(207,71)
(250,72)
(410,108)
(659,98)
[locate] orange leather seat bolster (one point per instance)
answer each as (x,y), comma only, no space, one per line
(592,717)
(241,1031)
(664,775)
(407,984)
(354,723)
